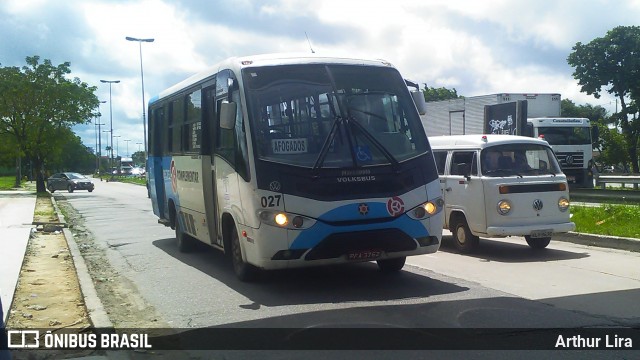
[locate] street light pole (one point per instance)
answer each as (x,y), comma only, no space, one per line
(110,114)
(127,141)
(100,139)
(117,144)
(144,120)
(98,144)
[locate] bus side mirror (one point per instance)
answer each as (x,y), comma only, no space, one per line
(228,111)
(418,99)
(595,134)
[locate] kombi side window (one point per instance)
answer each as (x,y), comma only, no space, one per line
(441,161)
(463,163)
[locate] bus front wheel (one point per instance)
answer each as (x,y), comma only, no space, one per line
(244,271)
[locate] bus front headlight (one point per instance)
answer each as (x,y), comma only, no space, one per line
(427,209)
(285,220)
(281,219)
(563,204)
(504,206)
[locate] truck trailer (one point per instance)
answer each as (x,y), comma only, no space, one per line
(533,115)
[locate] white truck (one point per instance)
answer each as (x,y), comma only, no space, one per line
(533,115)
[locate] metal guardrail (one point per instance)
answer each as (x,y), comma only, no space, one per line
(603,180)
(605,196)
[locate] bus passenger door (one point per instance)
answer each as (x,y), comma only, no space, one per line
(209,130)
(155,165)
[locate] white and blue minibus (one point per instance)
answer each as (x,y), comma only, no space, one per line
(286,161)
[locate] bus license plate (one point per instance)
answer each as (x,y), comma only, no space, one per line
(364,255)
(541,233)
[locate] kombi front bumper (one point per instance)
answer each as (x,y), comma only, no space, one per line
(523,230)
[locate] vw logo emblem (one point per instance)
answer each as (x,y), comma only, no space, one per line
(569,160)
(274,186)
(537,204)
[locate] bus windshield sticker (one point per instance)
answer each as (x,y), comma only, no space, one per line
(363,153)
(289,146)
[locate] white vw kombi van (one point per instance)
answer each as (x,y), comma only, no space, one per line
(501,185)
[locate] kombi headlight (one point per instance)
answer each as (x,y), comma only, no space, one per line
(563,204)
(504,206)
(285,220)
(427,209)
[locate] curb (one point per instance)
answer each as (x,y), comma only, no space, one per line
(97,314)
(604,241)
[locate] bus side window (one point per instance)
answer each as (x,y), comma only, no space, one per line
(176,121)
(192,128)
(225,143)
(231,144)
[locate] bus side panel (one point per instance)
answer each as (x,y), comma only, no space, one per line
(187,182)
(228,186)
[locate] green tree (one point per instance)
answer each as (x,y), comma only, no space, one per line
(139,158)
(614,149)
(72,154)
(437,94)
(611,64)
(37,104)
(594,113)
(597,114)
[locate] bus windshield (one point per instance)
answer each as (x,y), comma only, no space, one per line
(518,160)
(332,116)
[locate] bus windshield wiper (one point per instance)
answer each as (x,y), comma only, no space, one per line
(327,142)
(337,120)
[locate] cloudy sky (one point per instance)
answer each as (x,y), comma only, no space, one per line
(477,47)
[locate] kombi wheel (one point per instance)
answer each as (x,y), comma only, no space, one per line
(391,265)
(537,243)
(186,243)
(244,271)
(465,241)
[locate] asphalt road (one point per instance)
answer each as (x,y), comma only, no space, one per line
(506,285)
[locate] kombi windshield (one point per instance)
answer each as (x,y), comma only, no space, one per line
(335,116)
(518,160)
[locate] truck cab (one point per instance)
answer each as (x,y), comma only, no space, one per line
(571,140)
(499,186)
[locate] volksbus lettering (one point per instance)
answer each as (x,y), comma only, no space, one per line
(346,179)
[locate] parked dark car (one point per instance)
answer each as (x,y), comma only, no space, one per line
(69,181)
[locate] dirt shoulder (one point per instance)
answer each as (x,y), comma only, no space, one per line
(48,295)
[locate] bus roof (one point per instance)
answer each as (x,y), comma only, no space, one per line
(238,63)
(479,141)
